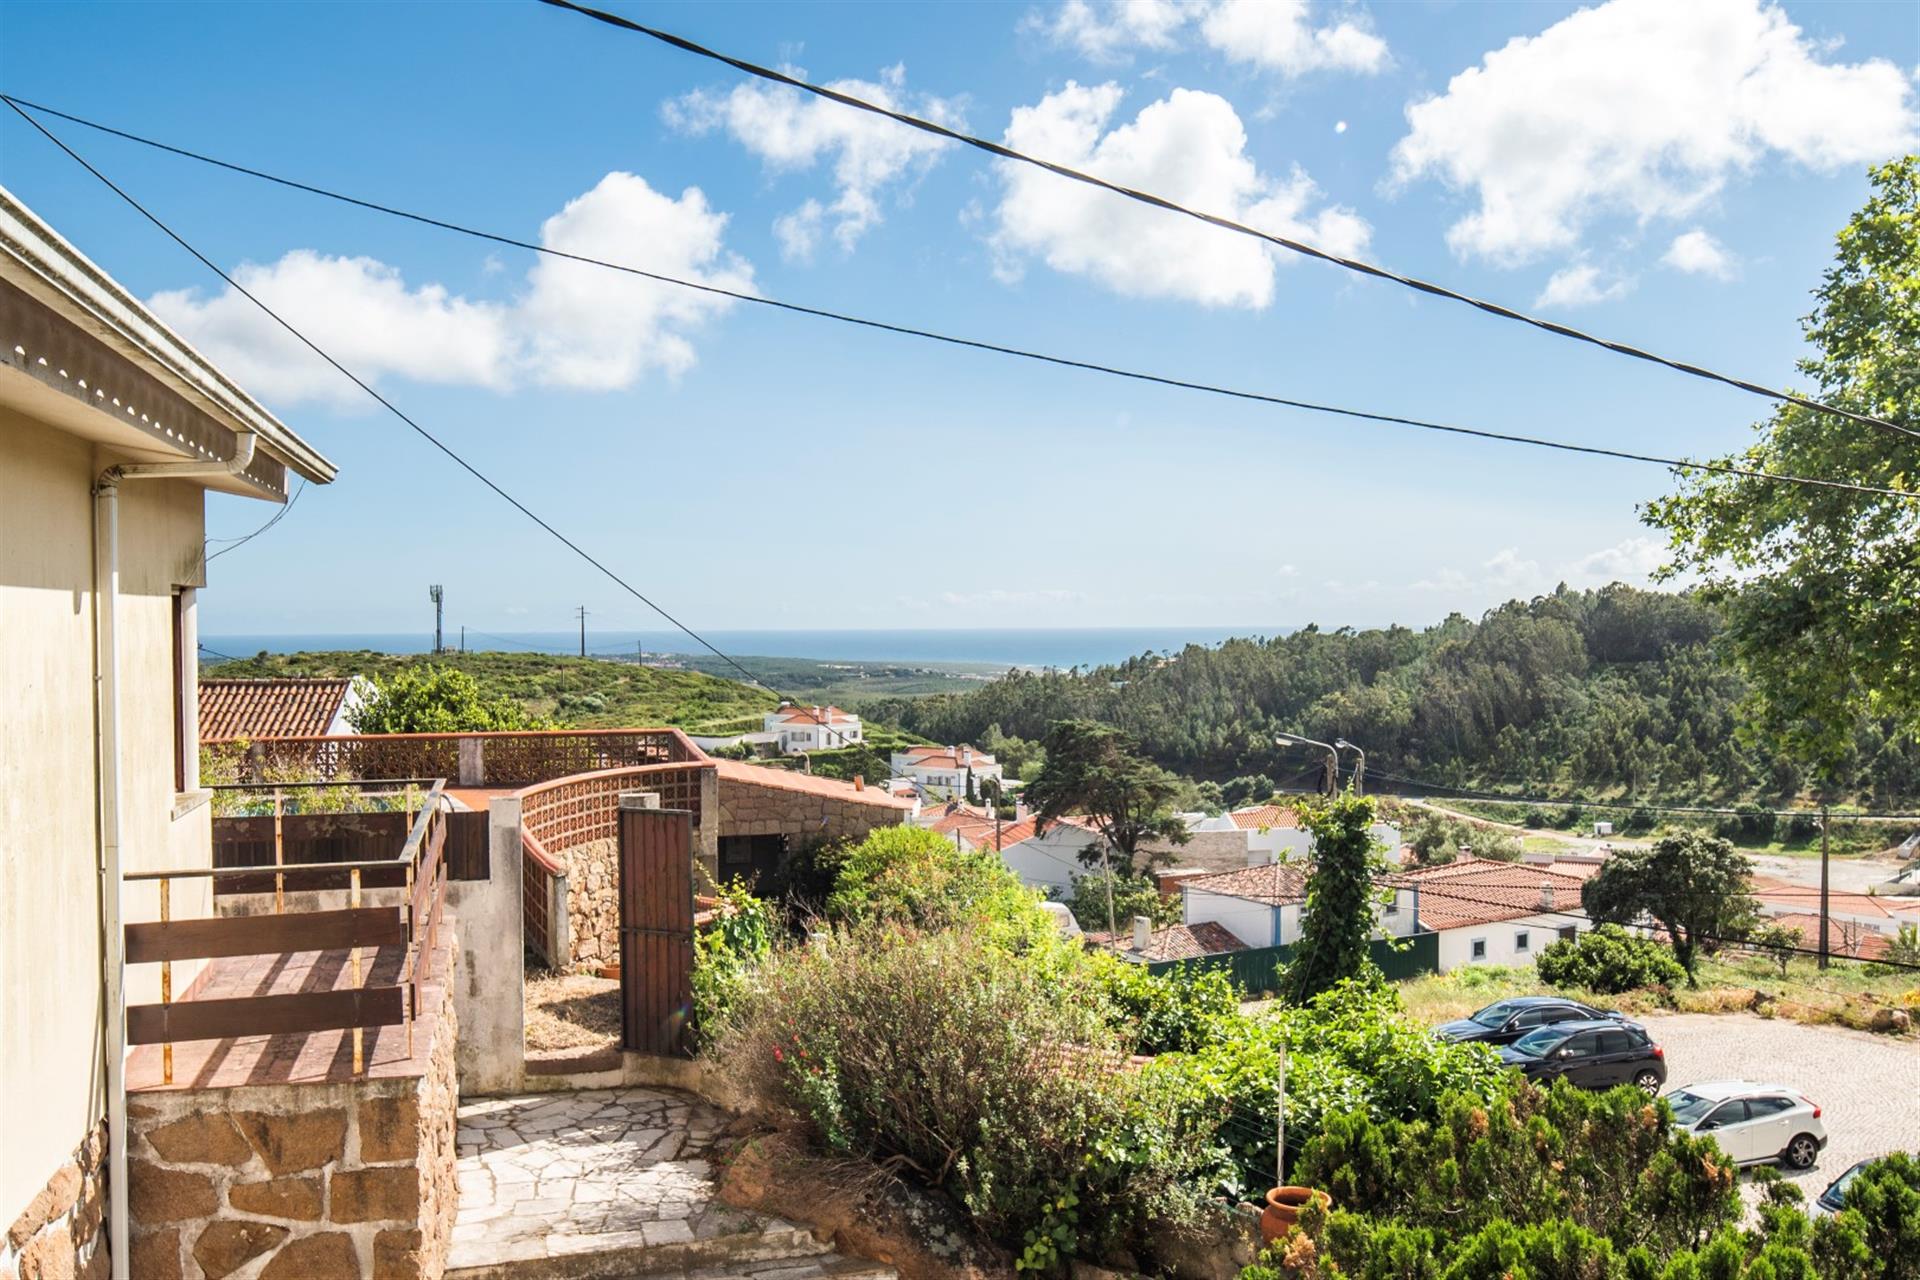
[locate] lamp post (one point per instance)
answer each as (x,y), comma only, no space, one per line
(1333,757)
(1359,765)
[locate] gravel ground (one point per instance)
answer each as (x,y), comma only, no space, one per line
(1865,1084)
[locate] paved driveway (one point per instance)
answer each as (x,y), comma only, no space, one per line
(1867,1086)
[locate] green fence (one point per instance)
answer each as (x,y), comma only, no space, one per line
(1257,969)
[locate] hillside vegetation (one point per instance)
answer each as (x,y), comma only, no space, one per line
(571,692)
(1609,693)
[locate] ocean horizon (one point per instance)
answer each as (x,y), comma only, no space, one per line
(989,646)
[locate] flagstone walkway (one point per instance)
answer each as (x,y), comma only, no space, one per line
(610,1182)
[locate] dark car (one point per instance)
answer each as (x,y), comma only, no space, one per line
(1592,1053)
(1834,1198)
(1507,1020)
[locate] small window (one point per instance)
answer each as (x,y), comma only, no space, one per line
(1726,1113)
(1569,933)
(1521,940)
(1479,948)
(1393,906)
(1581,1046)
(1758,1108)
(1615,1042)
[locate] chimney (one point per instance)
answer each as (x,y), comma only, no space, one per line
(1546,895)
(966,755)
(859,783)
(1142,933)
(1019,810)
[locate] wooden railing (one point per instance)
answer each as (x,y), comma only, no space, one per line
(560,815)
(509,759)
(419,869)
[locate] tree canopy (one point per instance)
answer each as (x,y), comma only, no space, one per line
(1820,586)
(1693,885)
(1097,770)
(1337,923)
(436,699)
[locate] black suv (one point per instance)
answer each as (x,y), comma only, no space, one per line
(1593,1054)
(1507,1020)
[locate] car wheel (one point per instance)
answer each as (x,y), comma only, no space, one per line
(1802,1151)
(1647,1082)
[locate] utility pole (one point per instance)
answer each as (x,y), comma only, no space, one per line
(463,637)
(1824,824)
(1333,757)
(1359,765)
(438,596)
(582,611)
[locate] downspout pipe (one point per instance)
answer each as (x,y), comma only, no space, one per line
(106,595)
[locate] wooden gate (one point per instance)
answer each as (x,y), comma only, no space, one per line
(656,928)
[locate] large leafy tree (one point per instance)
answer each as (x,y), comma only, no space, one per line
(1694,885)
(436,699)
(1821,586)
(1097,770)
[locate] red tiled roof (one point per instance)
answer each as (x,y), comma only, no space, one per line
(1779,893)
(787,780)
(813,715)
(279,708)
(1866,944)
(947,757)
(1475,891)
(1277,884)
(1264,816)
(1176,941)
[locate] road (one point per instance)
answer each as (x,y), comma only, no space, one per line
(1863,1083)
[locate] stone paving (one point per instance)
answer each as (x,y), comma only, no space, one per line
(620,1174)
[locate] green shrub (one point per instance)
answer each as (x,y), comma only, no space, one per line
(1802,828)
(1749,823)
(1609,960)
(1537,817)
(1183,1010)
(1132,896)
(727,953)
(1573,816)
(911,876)
(1640,820)
(999,1082)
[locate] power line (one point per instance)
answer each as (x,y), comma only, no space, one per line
(23,106)
(224,657)
(244,539)
(1005,152)
(1464,793)
(1422,890)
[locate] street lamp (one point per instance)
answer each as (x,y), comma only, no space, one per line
(1359,764)
(1333,757)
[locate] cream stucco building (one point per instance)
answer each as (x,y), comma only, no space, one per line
(112,430)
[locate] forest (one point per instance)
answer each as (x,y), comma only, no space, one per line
(1605,694)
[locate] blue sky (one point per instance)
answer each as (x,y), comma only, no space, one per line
(1671,175)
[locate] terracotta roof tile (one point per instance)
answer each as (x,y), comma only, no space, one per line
(787,780)
(1275,883)
(279,708)
(1475,891)
(814,715)
(1176,942)
(1265,816)
(1866,944)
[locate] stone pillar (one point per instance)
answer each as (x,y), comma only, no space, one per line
(473,762)
(706,832)
(490,987)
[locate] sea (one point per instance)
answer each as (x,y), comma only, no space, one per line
(1037,647)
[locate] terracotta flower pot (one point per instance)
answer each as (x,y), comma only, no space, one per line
(1283,1209)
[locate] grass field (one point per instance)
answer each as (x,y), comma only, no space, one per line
(1849,993)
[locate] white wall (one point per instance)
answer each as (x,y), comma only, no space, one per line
(1456,945)
(1276,844)
(1251,922)
(1049,862)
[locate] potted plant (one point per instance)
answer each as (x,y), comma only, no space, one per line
(1284,1203)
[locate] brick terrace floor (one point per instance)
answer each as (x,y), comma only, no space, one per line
(604,1171)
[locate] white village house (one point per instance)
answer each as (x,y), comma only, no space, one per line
(798,729)
(1262,906)
(1490,912)
(946,768)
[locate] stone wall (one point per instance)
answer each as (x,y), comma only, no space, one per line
(292,1182)
(62,1232)
(802,808)
(593,902)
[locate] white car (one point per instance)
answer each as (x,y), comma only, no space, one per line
(1753,1123)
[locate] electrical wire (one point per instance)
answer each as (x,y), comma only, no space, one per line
(244,539)
(1421,889)
(23,106)
(1005,152)
(1464,793)
(224,657)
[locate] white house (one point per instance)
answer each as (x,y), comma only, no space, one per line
(798,729)
(1490,912)
(1262,905)
(946,768)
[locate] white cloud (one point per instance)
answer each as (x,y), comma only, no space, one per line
(1274,35)
(574,325)
(1279,35)
(1508,574)
(1631,561)
(1108,30)
(1580,286)
(792,131)
(1190,147)
(1642,108)
(1698,253)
